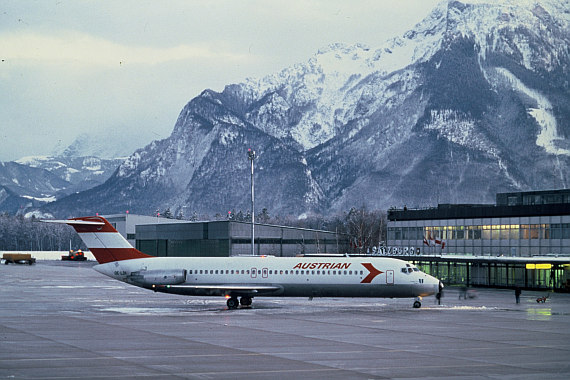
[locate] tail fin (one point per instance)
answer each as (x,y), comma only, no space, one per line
(106,244)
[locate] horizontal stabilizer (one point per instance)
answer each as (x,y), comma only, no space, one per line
(74,222)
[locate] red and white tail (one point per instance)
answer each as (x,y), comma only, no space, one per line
(106,244)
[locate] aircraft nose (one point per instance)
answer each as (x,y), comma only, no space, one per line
(431,280)
(435,283)
(429,285)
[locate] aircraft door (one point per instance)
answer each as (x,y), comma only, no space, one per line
(390,277)
(264,273)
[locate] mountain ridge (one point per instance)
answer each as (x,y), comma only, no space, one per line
(470,102)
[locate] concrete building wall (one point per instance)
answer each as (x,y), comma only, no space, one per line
(126,224)
(230,238)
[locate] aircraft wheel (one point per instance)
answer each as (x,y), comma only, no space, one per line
(232,303)
(245,301)
(417,304)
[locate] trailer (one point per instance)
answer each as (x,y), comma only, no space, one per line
(18,258)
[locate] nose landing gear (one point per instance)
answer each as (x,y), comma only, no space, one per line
(418,303)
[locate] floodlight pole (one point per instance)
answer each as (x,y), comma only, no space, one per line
(251,156)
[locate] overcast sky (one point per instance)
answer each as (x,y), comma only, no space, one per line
(69,67)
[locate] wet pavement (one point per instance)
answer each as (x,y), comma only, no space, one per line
(62,320)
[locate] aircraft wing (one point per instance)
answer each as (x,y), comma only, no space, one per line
(221,289)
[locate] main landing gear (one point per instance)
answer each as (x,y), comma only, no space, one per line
(245,301)
(233,303)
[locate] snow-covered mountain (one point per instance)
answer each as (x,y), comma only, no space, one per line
(25,187)
(108,143)
(81,172)
(473,100)
(31,182)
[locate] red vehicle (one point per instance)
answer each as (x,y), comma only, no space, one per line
(74,256)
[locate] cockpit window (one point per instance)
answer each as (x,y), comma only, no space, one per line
(416,269)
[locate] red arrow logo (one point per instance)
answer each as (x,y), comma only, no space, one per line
(373,273)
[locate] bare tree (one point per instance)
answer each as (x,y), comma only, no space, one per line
(365,228)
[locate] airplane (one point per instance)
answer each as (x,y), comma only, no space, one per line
(247,277)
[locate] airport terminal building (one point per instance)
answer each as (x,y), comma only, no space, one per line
(521,241)
(520,224)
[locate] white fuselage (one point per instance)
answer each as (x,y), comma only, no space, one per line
(275,276)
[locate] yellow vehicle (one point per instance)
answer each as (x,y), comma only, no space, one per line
(18,258)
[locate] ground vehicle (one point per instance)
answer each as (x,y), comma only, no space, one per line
(18,258)
(74,256)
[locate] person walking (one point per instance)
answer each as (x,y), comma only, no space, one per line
(518,294)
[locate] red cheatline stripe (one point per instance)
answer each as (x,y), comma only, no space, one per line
(106,255)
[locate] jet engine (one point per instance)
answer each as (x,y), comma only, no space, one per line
(158,277)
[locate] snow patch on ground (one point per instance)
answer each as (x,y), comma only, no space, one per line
(32,161)
(228,136)
(38,214)
(547,137)
(458,129)
(45,199)
(461,130)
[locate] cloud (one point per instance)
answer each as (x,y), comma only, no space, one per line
(83,49)
(69,67)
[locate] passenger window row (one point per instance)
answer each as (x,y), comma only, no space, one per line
(278,272)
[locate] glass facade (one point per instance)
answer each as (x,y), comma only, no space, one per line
(514,236)
(485,232)
(498,274)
